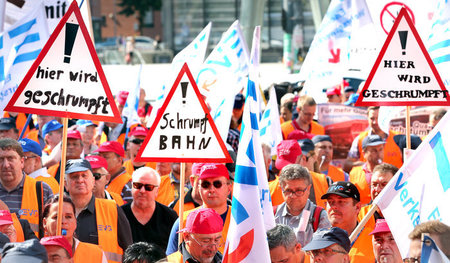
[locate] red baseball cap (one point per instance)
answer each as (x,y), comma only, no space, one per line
(73,134)
(196,168)
(57,241)
(299,135)
(122,97)
(97,161)
(203,221)
(381,226)
(111,146)
(5,218)
(211,170)
(138,131)
(336,90)
(287,153)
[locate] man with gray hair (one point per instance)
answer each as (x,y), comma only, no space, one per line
(150,221)
(283,245)
(297,211)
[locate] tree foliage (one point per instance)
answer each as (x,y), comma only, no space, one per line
(139,8)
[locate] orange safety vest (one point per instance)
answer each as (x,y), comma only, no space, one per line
(166,191)
(52,170)
(288,127)
(187,206)
(18,227)
(358,178)
(33,135)
(118,183)
(175,257)
(87,253)
(120,139)
(363,212)
(130,169)
(362,249)
(319,182)
(116,197)
(29,209)
(21,119)
(392,153)
(51,181)
(106,216)
(225,226)
(336,174)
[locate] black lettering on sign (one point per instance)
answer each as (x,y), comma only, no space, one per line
(179,123)
(162,142)
(398,64)
(414,78)
(405,94)
(56,11)
(42,73)
(92,105)
(82,77)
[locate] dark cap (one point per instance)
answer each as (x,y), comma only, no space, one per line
(238,101)
(344,189)
(400,140)
(306,145)
(372,140)
(323,238)
(4,239)
(321,138)
(77,165)
(7,124)
(29,251)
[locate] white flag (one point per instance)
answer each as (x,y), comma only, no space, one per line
(431,253)
(419,191)
(270,123)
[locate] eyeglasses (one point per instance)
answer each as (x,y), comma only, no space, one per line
(206,184)
(326,252)
(137,141)
(97,176)
(29,157)
(298,192)
(209,242)
(412,260)
(148,187)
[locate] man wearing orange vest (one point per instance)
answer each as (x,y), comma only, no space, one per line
(8,128)
(306,108)
(101,176)
(169,189)
(343,205)
(120,181)
(215,187)
(52,133)
(192,199)
(150,221)
(323,148)
(295,182)
(103,221)
(361,175)
(392,153)
(136,138)
(293,152)
(202,238)
(33,164)
(18,190)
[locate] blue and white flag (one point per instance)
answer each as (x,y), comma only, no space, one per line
(20,45)
(132,103)
(223,75)
(430,252)
(420,190)
(270,131)
(253,72)
(251,209)
(329,55)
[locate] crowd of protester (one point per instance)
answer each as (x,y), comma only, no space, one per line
(115,209)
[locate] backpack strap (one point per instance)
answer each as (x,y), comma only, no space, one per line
(40,200)
(316,217)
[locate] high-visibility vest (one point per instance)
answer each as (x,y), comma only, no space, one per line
(106,216)
(363,212)
(87,253)
(175,257)
(118,183)
(18,227)
(21,119)
(289,127)
(187,206)
(358,178)
(52,170)
(166,191)
(51,181)
(362,249)
(226,224)
(29,209)
(392,153)
(116,197)
(336,174)
(33,135)
(130,168)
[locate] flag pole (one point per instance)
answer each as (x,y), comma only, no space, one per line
(363,222)
(181,198)
(65,121)
(408,127)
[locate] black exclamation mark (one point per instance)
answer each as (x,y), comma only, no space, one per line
(403,36)
(183,90)
(71,33)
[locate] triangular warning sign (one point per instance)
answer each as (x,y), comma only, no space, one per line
(66,79)
(403,74)
(183,130)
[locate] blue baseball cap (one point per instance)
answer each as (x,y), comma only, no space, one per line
(30,146)
(52,125)
(324,237)
(85,123)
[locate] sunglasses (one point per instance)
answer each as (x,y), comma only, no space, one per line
(148,187)
(206,184)
(137,141)
(97,176)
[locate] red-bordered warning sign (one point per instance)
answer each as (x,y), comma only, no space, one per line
(403,74)
(183,130)
(66,79)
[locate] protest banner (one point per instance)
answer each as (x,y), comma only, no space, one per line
(60,83)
